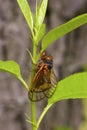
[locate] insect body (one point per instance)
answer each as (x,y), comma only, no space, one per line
(44,81)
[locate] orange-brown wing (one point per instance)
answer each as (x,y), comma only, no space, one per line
(44,85)
(52,85)
(40,84)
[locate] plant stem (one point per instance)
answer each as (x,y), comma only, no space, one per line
(43,114)
(33,115)
(33,104)
(24,83)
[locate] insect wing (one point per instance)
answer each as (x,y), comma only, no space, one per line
(36,93)
(45,86)
(36,96)
(40,84)
(44,82)
(52,85)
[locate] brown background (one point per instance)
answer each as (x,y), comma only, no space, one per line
(70,56)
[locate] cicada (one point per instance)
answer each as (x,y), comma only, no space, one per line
(44,81)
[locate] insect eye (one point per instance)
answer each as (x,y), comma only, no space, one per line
(50,66)
(49,63)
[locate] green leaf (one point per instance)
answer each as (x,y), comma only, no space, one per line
(13,68)
(63,29)
(26,12)
(31,56)
(40,33)
(74,86)
(40,13)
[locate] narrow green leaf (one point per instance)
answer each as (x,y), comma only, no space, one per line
(63,29)
(13,68)
(40,33)
(74,86)
(26,12)
(31,56)
(40,13)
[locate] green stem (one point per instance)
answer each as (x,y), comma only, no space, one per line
(43,114)
(34,53)
(24,83)
(33,114)
(33,107)
(33,104)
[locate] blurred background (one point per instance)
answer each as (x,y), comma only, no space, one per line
(70,56)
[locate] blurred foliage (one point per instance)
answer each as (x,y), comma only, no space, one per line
(83,125)
(63,128)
